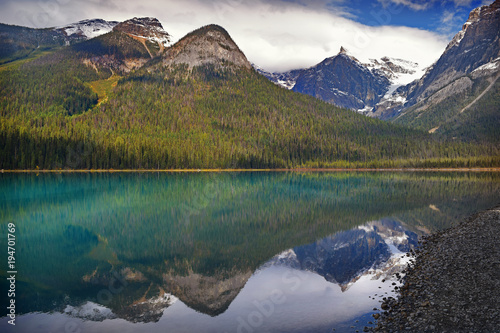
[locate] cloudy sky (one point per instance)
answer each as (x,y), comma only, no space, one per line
(279,35)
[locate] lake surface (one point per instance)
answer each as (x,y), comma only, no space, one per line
(218,252)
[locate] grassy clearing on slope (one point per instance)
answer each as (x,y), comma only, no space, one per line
(104,87)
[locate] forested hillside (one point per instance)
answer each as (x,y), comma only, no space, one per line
(212,115)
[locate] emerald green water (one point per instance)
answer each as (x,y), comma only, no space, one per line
(119,240)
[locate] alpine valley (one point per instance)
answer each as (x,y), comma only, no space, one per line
(120,95)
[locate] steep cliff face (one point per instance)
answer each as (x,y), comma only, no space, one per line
(458,95)
(476,44)
(208,45)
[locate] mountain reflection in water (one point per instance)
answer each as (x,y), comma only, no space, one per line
(217,253)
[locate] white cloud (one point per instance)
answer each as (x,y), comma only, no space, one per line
(462,2)
(275,35)
(413,4)
(450,19)
(280,38)
(447,16)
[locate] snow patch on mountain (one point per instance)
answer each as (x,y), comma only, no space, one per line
(96,312)
(399,72)
(165,299)
(365,110)
(88,29)
(491,67)
(286,80)
(287,258)
(155,39)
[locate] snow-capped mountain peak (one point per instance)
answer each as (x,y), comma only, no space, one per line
(87,29)
(148,28)
(375,79)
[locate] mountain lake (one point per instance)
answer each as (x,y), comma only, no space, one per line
(214,252)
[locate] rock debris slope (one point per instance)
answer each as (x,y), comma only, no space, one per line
(454,285)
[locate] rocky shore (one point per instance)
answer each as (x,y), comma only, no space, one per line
(453,283)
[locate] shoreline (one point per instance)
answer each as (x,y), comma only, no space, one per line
(453,284)
(254,170)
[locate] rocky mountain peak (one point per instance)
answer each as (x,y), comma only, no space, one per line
(344,53)
(138,24)
(344,81)
(210,44)
(478,17)
(371,249)
(145,28)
